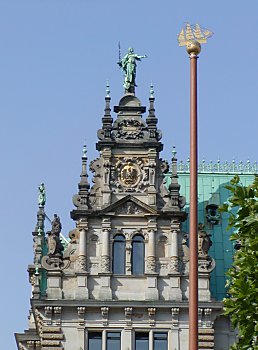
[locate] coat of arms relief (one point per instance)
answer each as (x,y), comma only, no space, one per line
(129,174)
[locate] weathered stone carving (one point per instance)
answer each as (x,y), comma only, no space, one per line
(105,263)
(206,264)
(212,214)
(175,316)
(129,174)
(207,317)
(57,313)
(74,236)
(39,321)
(21,346)
(80,201)
(82,261)
(48,311)
(163,169)
(81,314)
(96,167)
(151,264)
(204,241)
(55,247)
(104,315)
(174,264)
(54,259)
(130,129)
(129,208)
(128,315)
(151,314)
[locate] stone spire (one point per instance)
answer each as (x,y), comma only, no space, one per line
(152,120)
(105,132)
(174,187)
(80,200)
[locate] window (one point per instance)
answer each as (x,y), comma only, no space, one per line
(141,341)
(160,341)
(94,340)
(119,255)
(113,341)
(138,255)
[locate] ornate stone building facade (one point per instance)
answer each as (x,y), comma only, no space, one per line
(121,281)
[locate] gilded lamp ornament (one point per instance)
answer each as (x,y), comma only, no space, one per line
(192,36)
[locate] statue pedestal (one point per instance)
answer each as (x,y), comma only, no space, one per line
(175,292)
(152,292)
(82,291)
(105,292)
(54,284)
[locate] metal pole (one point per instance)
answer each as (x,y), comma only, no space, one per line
(192,37)
(193,269)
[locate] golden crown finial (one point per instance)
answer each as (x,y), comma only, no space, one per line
(192,36)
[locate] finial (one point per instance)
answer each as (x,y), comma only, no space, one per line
(151,90)
(84,151)
(174,152)
(42,195)
(192,36)
(107,89)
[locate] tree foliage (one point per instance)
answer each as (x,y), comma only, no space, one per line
(242,305)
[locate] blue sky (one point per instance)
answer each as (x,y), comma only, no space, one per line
(55,58)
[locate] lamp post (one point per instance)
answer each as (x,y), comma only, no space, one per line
(192,37)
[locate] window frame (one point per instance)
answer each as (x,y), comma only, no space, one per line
(122,258)
(141,260)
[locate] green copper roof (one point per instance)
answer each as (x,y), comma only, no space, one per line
(211,190)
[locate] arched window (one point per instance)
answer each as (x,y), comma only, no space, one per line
(119,255)
(138,255)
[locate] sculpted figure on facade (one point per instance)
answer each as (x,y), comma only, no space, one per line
(204,241)
(163,195)
(55,246)
(96,167)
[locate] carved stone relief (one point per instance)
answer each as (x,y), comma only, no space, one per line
(105,263)
(151,264)
(130,129)
(129,174)
(129,208)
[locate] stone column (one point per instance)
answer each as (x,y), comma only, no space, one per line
(175,280)
(105,258)
(151,345)
(105,292)
(152,292)
(82,251)
(126,340)
(151,259)
(174,251)
(82,279)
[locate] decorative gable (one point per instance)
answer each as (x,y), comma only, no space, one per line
(129,205)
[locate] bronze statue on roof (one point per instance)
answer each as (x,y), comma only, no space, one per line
(128,65)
